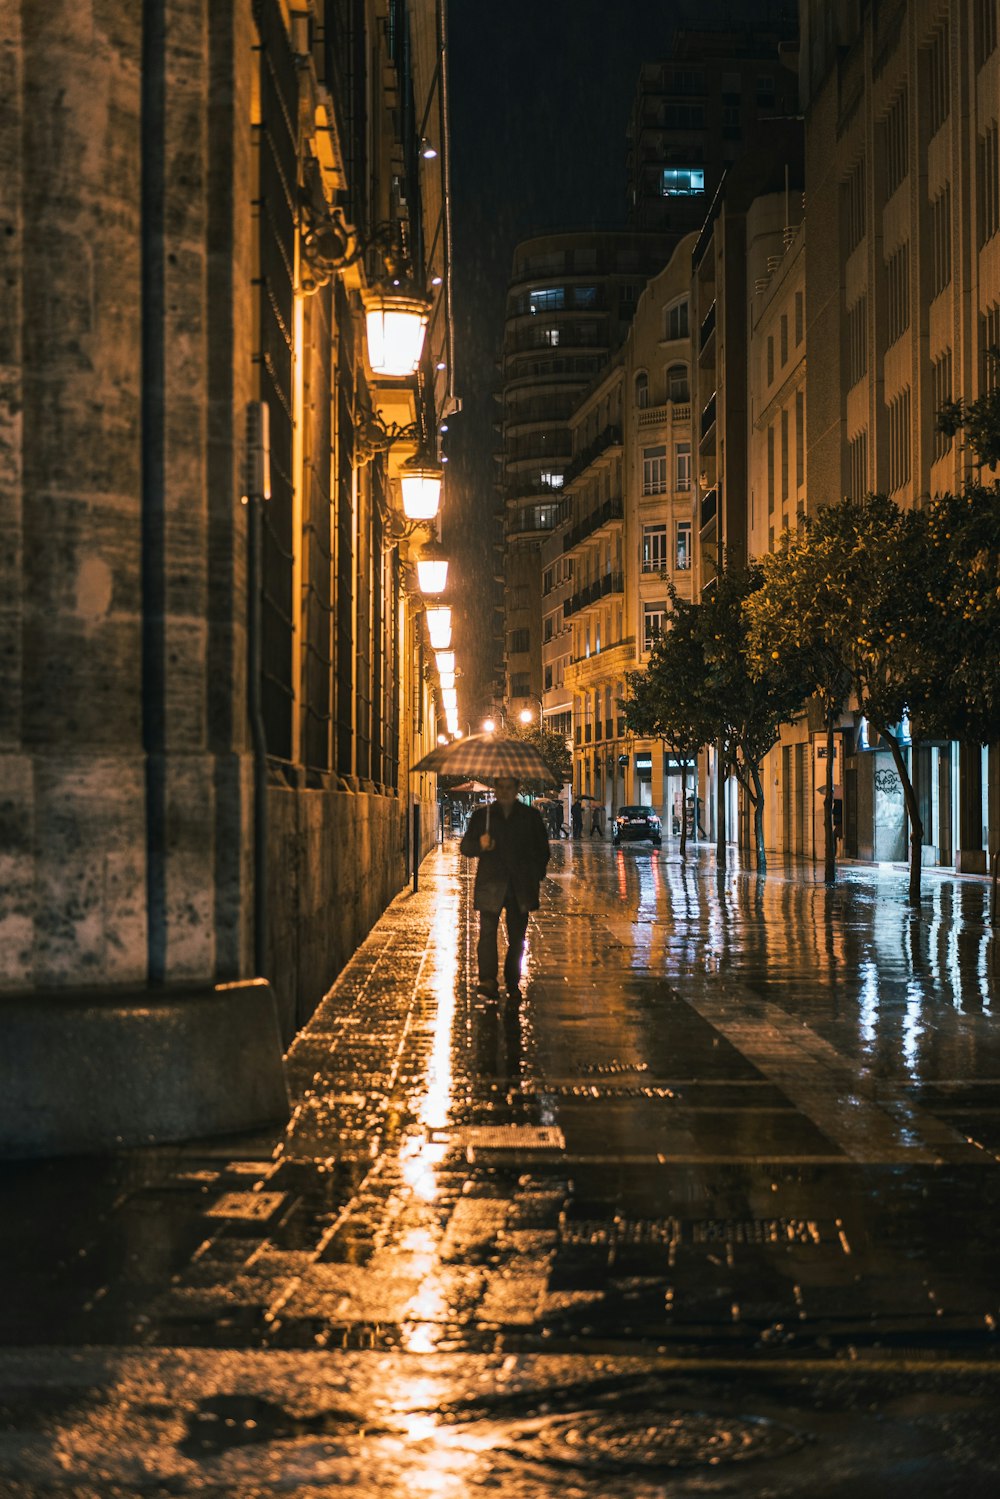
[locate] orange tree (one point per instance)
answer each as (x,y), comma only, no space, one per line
(704,687)
(795,617)
(863,588)
(666,700)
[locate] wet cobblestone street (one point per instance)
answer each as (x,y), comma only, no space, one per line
(711,1209)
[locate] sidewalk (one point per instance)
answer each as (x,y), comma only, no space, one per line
(735,1152)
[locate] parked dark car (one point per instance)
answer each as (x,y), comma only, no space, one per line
(633,824)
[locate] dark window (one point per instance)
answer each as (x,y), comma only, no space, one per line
(520,642)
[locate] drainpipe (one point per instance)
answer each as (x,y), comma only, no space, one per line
(257,489)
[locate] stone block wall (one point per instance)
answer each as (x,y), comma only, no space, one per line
(336,859)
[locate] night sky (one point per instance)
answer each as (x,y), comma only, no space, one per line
(541,92)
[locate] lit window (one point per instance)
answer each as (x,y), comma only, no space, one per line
(683,182)
(550,336)
(544,298)
(683,552)
(654,548)
(653,617)
(551,479)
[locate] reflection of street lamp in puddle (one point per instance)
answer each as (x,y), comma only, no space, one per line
(422,1153)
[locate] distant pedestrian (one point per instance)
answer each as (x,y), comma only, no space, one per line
(597,821)
(576,817)
(509,840)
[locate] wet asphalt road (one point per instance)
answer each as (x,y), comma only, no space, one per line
(711,1209)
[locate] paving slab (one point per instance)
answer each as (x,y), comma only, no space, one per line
(716,1196)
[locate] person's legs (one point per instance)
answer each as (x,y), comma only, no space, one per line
(517,926)
(486,951)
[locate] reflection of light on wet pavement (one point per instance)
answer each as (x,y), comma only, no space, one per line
(421,1153)
(912,1025)
(869,1002)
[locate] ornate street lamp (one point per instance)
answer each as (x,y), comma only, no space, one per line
(439,626)
(445,660)
(420,480)
(395,324)
(432,569)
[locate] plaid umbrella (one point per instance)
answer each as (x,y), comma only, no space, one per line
(483,755)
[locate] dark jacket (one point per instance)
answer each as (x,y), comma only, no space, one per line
(519,858)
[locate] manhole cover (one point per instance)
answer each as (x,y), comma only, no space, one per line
(659,1439)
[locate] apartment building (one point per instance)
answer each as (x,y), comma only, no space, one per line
(592,541)
(778,496)
(693,114)
(569,305)
(903,298)
(659,496)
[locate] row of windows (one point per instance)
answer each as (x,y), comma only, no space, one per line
(655,556)
(897,293)
(654,468)
(988,184)
(778,453)
(783,337)
(678,386)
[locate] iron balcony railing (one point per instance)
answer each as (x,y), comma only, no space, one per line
(606,439)
(609,511)
(591,592)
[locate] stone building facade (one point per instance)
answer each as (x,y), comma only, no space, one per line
(570,302)
(903,298)
(188,190)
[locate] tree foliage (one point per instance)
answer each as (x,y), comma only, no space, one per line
(553,750)
(701,687)
(979,419)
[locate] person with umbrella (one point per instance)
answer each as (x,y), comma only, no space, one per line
(509,840)
(576,817)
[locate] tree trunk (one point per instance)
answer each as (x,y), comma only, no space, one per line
(757,801)
(829,848)
(913,813)
(684,808)
(720,807)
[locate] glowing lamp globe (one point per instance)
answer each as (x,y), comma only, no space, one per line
(420,480)
(395,324)
(432,574)
(489,727)
(445,660)
(439,625)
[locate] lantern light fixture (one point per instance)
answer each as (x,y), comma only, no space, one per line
(447,679)
(445,660)
(432,574)
(395,323)
(450,699)
(439,626)
(420,480)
